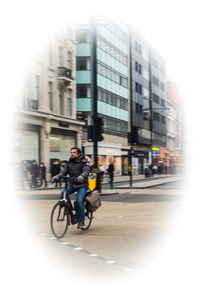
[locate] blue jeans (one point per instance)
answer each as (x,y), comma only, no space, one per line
(79,200)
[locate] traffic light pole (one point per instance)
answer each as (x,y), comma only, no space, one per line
(94,103)
(150,106)
(130,110)
(94,92)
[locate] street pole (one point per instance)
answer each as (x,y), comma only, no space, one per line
(130,108)
(150,106)
(94,101)
(94,92)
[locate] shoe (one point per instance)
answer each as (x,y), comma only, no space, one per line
(81,225)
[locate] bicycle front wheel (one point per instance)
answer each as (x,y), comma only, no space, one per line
(59,220)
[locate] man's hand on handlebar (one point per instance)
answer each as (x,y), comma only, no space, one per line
(80,179)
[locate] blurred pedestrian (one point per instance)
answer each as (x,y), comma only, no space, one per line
(43,174)
(34,170)
(110,171)
(55,170)
(102,170)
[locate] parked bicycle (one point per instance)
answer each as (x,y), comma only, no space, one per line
(64,213)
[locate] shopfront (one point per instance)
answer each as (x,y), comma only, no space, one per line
(60,146)
(25,143)
(107,152)
(140,161)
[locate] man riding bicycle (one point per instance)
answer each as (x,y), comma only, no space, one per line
(79,168)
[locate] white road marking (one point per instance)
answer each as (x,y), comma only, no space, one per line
(78,249)
(93,254)
(128,269)
(64,243)
(111,262)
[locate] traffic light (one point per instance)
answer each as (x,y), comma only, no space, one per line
(98,124)
(133,136)
(90,133)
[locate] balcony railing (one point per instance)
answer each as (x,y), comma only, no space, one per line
(64,72)
(30,104)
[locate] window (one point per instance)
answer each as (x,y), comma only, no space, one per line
(136,66)
(139,109)
(156,116)
(37,86)
(138,47)
(60,102)
(163,119)
(83,63)
(162,102)
(60,56)
(69,103)
(156,98)
(50,55)
(83,36)
(156,81)
(50,94)
(83,91)
(162,85)
(145,74)
(69,60)
(138,88)
(140,69)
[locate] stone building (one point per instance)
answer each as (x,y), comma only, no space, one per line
(46,126)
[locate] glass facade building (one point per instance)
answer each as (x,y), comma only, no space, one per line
(131,76)
(112,76)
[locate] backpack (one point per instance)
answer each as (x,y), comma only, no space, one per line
(92,201)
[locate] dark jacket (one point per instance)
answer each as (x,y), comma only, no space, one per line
(76,167)
(110,170)
(34,169)
(43,172)
(55,170)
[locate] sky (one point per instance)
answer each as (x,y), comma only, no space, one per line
(172,27)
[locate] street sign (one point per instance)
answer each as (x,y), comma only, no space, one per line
(83,143)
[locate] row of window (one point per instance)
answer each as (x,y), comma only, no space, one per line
(138,67)
(112,74)
(122,35)
(83,36)
(138,47)
(138,88)
(157,117)
(84,91)
(83,63)
(64,57)
(158,83)
(158,100)
(156,65)
(111,50)
(62,97)
(116,126)
(139,108)
(112,99)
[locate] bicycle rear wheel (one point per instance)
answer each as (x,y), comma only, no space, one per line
(59,220)
(88,219)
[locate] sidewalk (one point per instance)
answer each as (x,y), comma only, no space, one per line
(146,183)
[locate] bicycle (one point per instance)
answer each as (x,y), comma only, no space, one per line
(64,213)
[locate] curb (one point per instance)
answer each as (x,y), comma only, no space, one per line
(148,186)
(109,194)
